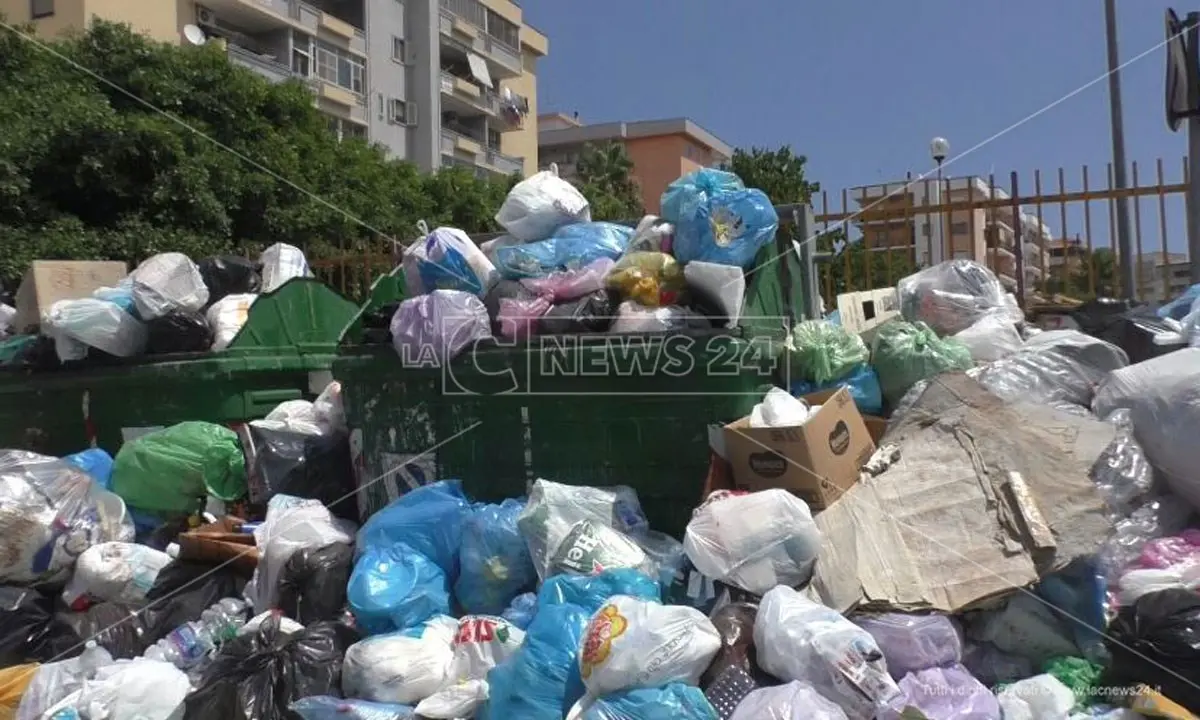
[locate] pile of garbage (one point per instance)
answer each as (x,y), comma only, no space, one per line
(558,272)
(167,305)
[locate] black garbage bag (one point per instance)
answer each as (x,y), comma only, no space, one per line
(1133,329)
(28,632)
(179,331)
(312,586)
(1156,641)
(119,629)
(307,466)
(229,275)
(504,290)
(377,325)
(590,313)
(183,590)
(256,677)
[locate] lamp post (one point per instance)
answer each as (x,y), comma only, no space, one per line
(939,148)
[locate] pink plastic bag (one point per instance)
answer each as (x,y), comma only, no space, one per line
(1166,552)
(518,318)
(571,284)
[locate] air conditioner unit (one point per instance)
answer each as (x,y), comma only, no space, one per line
(204,16)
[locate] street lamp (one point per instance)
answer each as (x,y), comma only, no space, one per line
(939,148)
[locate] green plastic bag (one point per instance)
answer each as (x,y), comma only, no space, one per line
(1082,676)
(821,352)
(170,471)
(906,353)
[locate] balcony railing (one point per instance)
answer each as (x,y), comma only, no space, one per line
(264,66)
(475,14)
(486,101)
(506,164)
(489,157)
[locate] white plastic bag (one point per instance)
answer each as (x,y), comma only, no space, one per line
(168,282)
(115,572)
(76,325)
(403,667)
(138,689)
(634,318)
(282,262)
(481,643)
(1041,697)
(539,205)
(554,510)
(753,541)
(447,259)
(794,701)
(633,643)
(798,639)
(778,410)
(57,680)
(292,524)
(8,314)
(457,701)
(227,316)
(723,285)
(1137,583)
(991,337)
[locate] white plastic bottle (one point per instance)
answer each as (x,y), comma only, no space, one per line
(188,644)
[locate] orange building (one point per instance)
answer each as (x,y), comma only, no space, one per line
(661,150)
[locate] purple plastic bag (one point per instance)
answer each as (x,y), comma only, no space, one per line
(949,693)
(913,642)
(1166,552)
(429,330)
(571,284)
(518,318)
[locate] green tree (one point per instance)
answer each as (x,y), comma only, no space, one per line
(605,177)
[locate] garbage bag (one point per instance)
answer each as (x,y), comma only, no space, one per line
(1041,697)
(718,291)
(96,462)
(402,667)
(171,471)
(820,352)
(50,511)
(676,701)
(14,681)
(429,519)
(482,643)
(1135,583)
(521,610)
(1138,331)
(590,547)
(913,642)
(905,353)
(798,639)
(1163,398)
(1025,626)
(553,510)
(541,204)
(54,681)
(1054,367)
(229,275)
(312,586)
(590,592)
(394,587)
(166,282)
(1179,307)
(304,465)
(520,318)
(119,629)
(179,331)
(256,677)
(753,541)
(183,590)
(28,631)
(138,688)
(717,219)
(114,571)
(532,684)
(496,566)
(326,707)
(227,316)
(76,325)
(862,382)
(490,247)
(1156,641)
(1122,472)
(282,262)
(949,693)
(992,337)
(430,330)
(634,318)
(292,524)
(734,672)
(564,285)
(652,234)
(951,296)
(631,643)
(570,247)
(1078,595)
(652,279)
(589,314)
(447,259)
(793,701)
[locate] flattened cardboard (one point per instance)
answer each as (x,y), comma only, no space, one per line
(48,281)
(817,462)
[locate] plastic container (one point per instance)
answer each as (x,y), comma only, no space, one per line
(187,645)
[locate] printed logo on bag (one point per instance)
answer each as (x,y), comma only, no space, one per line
(768,464)
(839,439)
(726,226)
(480,630)
(581,555)
(608,625)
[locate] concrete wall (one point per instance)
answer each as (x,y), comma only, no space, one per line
(387,78)
(423,80)
(657,162)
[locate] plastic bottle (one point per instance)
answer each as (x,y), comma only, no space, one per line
(188,644)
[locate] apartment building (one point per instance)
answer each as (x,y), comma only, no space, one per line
(436,82)
(895,220)
(661,150)
(1163,278)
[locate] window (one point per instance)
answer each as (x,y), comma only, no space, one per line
(503,30)
(493,139)
(339,68)
(958,228)
(399,49)
(300,63)
(41,8)
(402,112)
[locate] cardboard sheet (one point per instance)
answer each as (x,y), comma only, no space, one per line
(983,498)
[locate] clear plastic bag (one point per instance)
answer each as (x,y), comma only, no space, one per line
(753,541)
(115,572)
(1041,697)
(717,219)
(992,337)
(951,296)
(394,587)
(520,318)
(779,410)
(76,325)
(719,287)
(282,262)
(570,284)
(554,509)
(1122,472)
(166,282)
(1058,366)
(570,248)
(138,688)
(914,642)
(1157,517)
(447,259)
(227,316)
(793,701)
(292,524)
(651,279)
(496,565)
(635,318)
(541,204)
(430,330)
(947,693)
(652,234)
(822,352)
(403,667)
(906,353)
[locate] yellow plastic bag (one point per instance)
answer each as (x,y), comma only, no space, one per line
(652,279)
(13,683)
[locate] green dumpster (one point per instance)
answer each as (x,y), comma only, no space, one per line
(283,352)
(500,417)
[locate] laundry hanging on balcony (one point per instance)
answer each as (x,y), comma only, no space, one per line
(479,70)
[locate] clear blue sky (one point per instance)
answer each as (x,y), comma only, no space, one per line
(860,86)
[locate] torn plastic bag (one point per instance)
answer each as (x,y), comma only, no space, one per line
(717,291)
(447,259)
(570,247)
(317,467)
(256,677)
(115,572)
(430,330)
(951,296)
(327,707)
(589,314)
(292,524)
(946,693)
(1156,641)
(183,590)
(96,462)
(991,337)
(570,284)
(648,278)
(793,701)
(541,204)
(402,667)
(227,316)
(229,275)
(554,509)
(496,565)
(166,282)
(717,219)
(863,384)
(634,318)
(394,587)
(1057,366)
(906,353)
(675,701)
(914,642)
(520,318)
(179,331)
(76,325)
(429,520)
(312,586)
(821,352)
(282,262)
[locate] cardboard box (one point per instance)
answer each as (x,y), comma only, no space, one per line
(876,426)
(817,461)
(48,281)
(863,312)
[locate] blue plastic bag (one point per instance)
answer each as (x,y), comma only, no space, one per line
(447,259)
(681,197)
(325,707)
(570,248)
(673,702)
(532,684)
(1079,592)
(717,219)
(863,384)
(1178,308)
(96,463)
(591,591)
(495,562)
(395,588)
(522,609)
(428,519)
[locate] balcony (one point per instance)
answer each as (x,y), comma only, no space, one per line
(466,33)
(264,65)
(457,148)
(504,164)
(466,98)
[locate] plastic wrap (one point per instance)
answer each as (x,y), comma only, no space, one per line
(76,325)
(651,279)
(719,291)
(554,509)
(821,352)
(139,688)
(569,248)
(634,318)
(394,587)
(991,337)
(447,259)
(914,642)
(541,204)
(496,565)
(429,520)
(166,282)
(793,701)
(947,693)
(951,296)
(227,316)
(570,284)
(282,262)
(170,471)
(521,318)
(906,353)
(672,702)
(1122,472)
(717,219)
(1157,517)
(115,571)
(1058,366)
(403,667)
(430,330)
